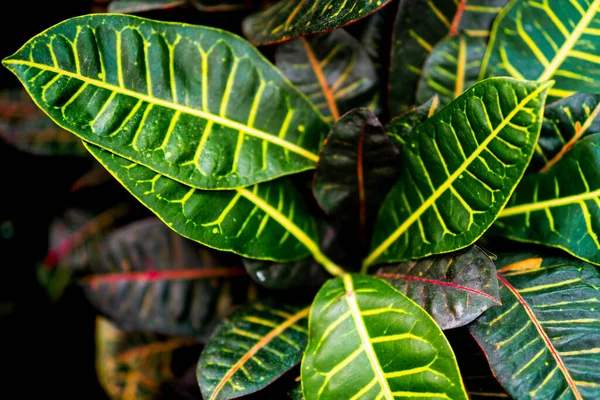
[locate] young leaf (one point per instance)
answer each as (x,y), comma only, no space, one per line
(459,168)
(565,122)
(332,69)
(451,67)
(561,207)
(543,342)
(553,39)
(148,278)
(369,341)
(196,104)
(358,165)
(252,347)
(400,128)
(291,18)
(454,288)
(135,6)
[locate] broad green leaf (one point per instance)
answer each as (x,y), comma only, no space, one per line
(458,170)
(267,221)
(561,207)
(357,167)
(550,39)
(543,342)
(196,104)
(135,6)
(332,69)
(401,127)
(148,278)
(454,288)
(451,67)
(369,341)
(288,19)
(251,348)
(420,25)
(565,122)
(135,365)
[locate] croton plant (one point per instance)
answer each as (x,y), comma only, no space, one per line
(380,199)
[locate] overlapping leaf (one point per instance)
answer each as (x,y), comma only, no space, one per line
(199,105)
(459,169)
(253,347)
(400,128)
(135,6)
(550,39)
(454,289)
(359,325)
(332,69)
(561,207)
(543,342)
(452,66)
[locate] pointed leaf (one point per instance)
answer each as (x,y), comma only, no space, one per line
(251,348)
(199,105)
(288,19)
(135,6)
(451,67)
(358,166)
(560,208)
(454,289)
(547,40)
(369,341)
(459,168)
(401,127)
(543,342)
(332,69)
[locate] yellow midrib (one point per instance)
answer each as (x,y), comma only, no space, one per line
(178,107)
(530,207)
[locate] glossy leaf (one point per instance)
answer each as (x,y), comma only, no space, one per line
(560,208)
(134,365)
(251,348)
(452,66)
(358,166)
(454,288)
(148,278)
(135,6)
(400,128)
(291,18)
(545,40)
(199,105)
(359,327)
(543,342)
(420,25)
(565,122)
(332,69)
(459,168)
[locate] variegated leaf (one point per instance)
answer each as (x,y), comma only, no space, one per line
(401,127)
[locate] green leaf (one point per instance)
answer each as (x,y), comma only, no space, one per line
(459,168)
(358,166)
(196,104)
(543,342)
(454,288)
(296,392)
(332,69)
(565,122)
(561,207)
(420,25)
(451,67)
(401,127)
(253,347)
(545,40)
(291,18)
(369,341)
(135,6)
(148,278)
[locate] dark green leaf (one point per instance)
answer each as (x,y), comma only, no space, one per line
(332,69)
(296,392)
(400,128)
(543,342)
(197,104)
(561,207)
(369,341)
(135,6)
(291,18)
(545,40)
(458,170)
(251,348)
(454,288)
